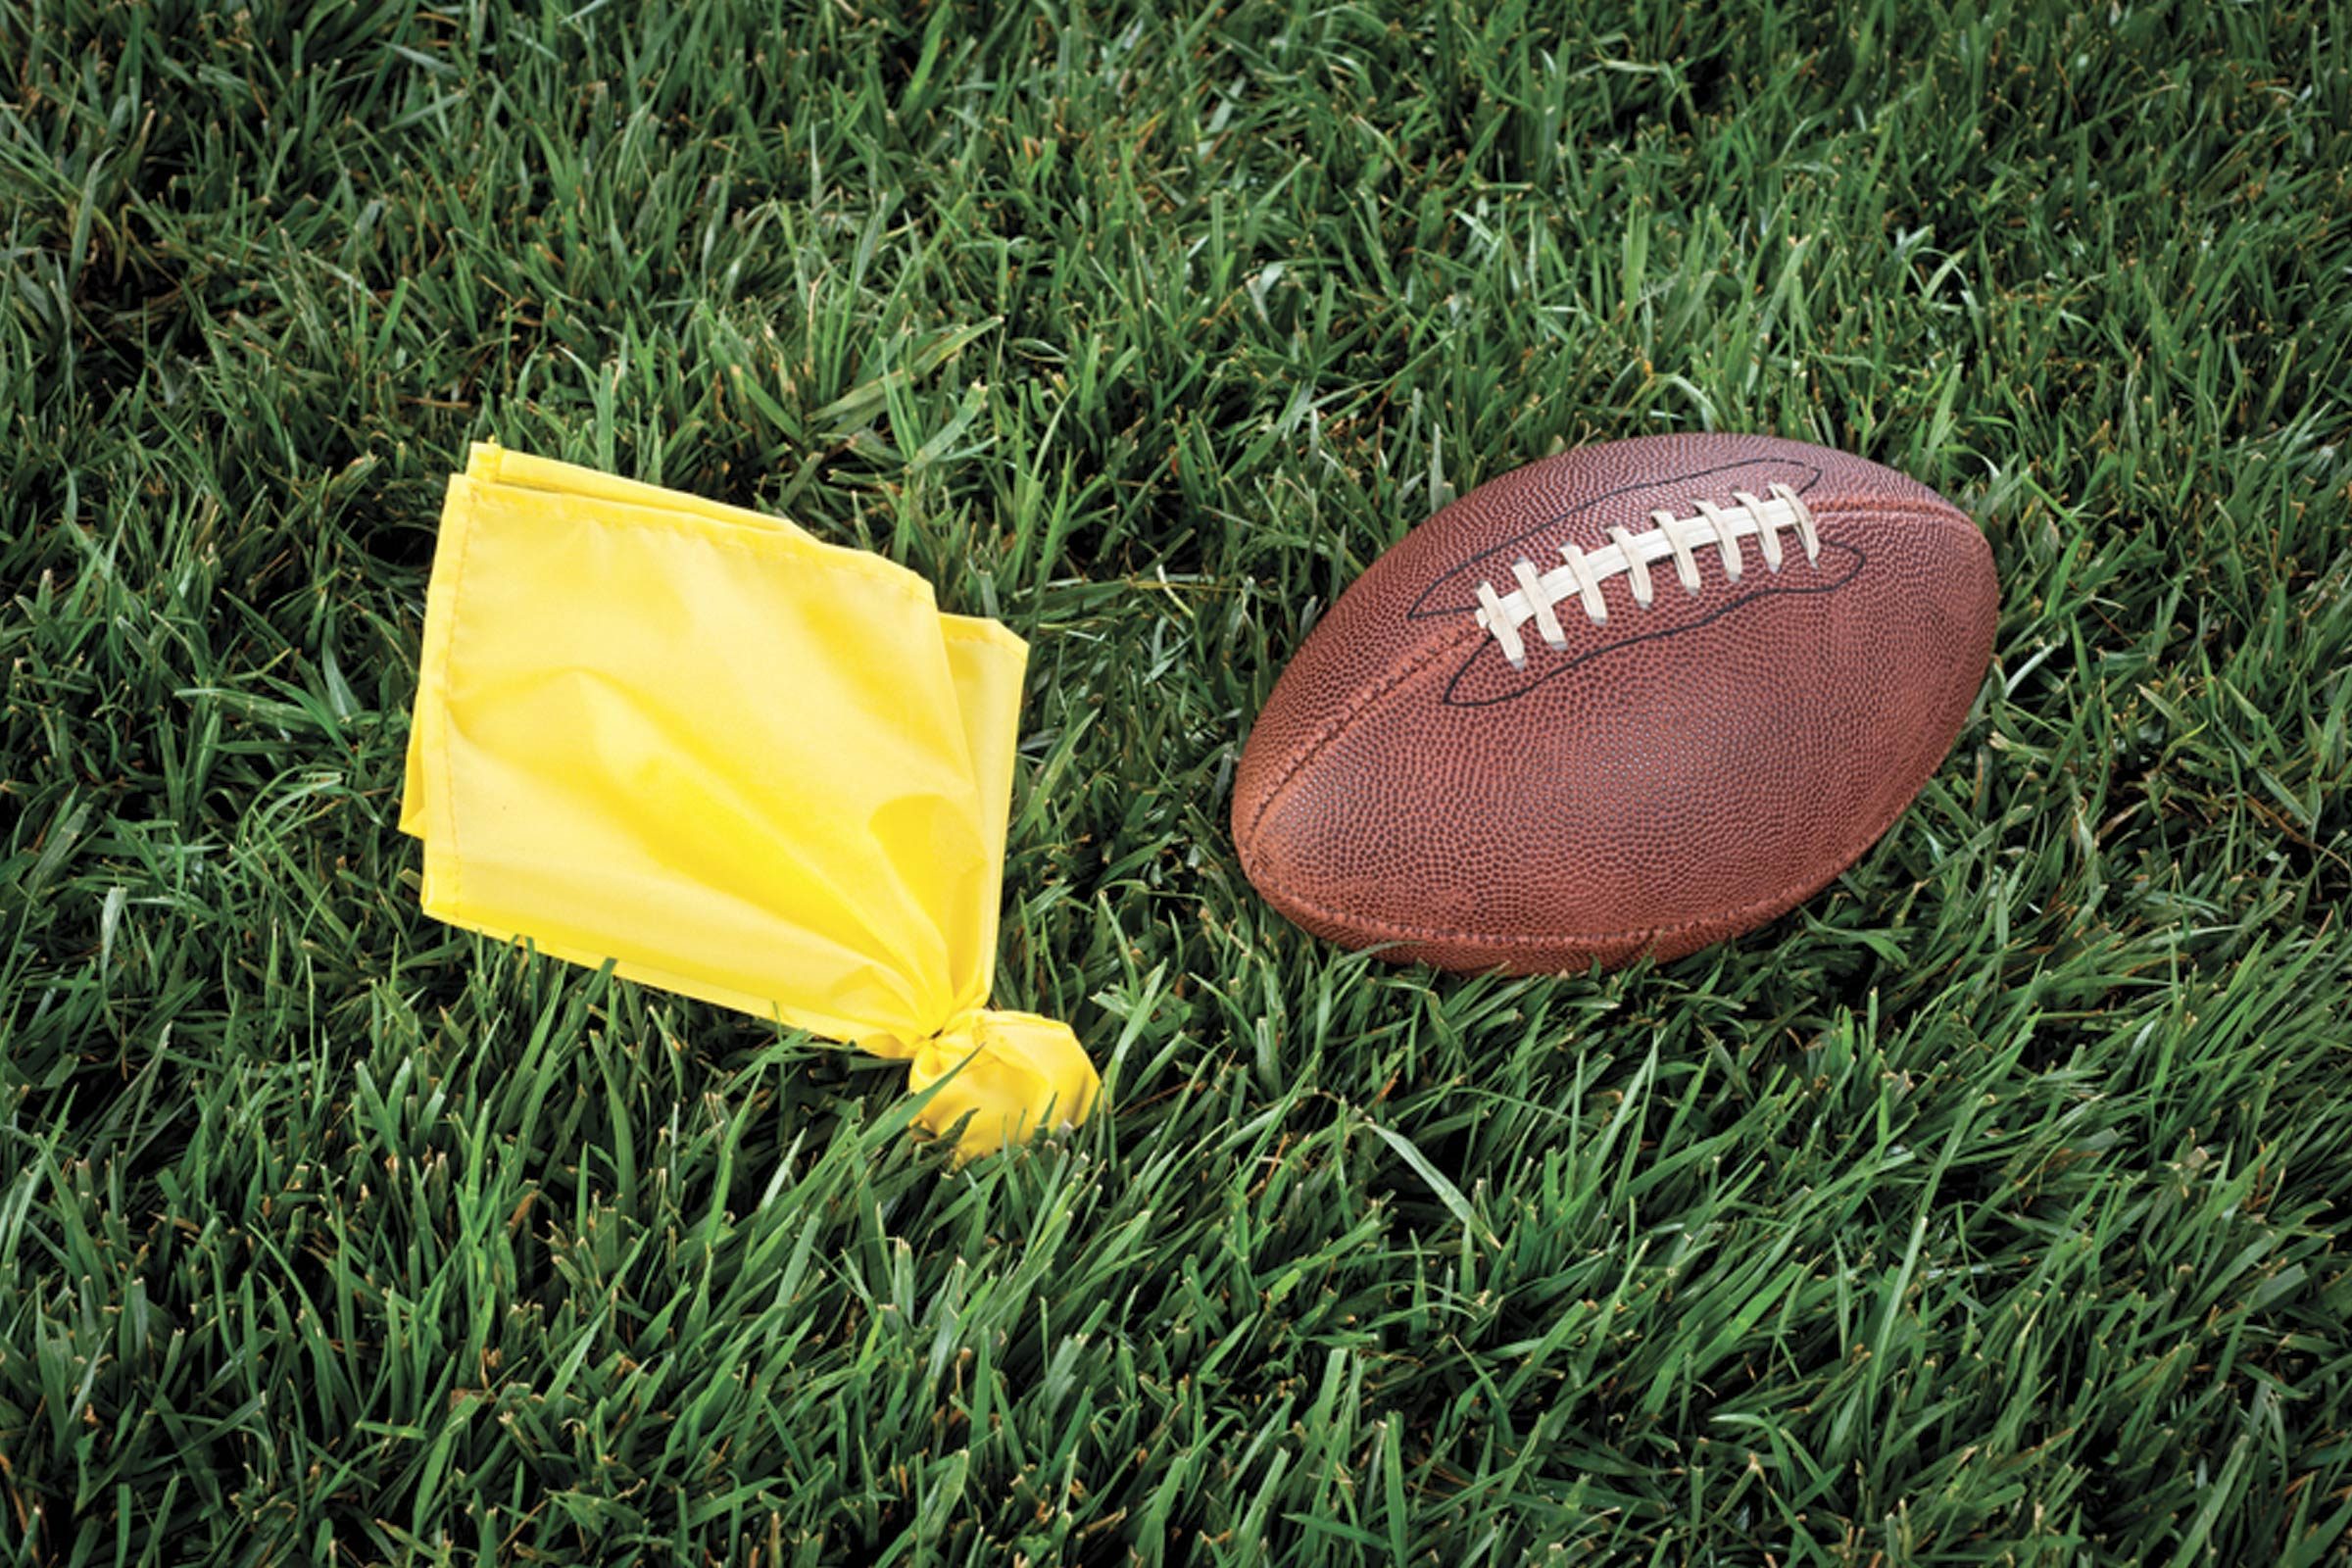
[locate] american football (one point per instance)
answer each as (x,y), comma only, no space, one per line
(1634,699)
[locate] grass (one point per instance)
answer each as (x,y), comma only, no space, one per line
(1992,1208)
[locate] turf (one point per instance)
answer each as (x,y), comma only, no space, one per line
(1992,1208)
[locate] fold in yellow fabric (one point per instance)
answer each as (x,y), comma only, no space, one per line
(736,762)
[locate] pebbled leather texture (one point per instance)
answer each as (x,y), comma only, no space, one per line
(1674,777)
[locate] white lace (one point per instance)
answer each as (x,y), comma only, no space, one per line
(1629,555)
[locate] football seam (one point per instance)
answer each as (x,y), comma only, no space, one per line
(1388,929)
(1331,729)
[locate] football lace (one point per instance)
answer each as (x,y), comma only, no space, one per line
(1630,555)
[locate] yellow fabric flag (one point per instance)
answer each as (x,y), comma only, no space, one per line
(736,761)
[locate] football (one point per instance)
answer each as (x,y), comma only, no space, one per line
(1634,699)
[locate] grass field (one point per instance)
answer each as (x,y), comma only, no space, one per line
(1992,1208)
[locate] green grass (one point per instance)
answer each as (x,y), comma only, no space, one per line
(1994,1209)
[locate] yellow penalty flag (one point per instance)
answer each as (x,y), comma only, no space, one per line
(737,763)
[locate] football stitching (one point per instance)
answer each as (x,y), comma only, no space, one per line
(1421,609)
(1582,576)
(1769,591)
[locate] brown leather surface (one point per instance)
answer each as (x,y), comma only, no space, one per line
(1676,776)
